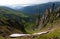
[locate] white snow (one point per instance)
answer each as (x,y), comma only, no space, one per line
(18,35)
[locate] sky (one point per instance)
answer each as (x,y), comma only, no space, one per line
(24,2)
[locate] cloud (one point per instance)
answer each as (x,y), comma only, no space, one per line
(10,2)
(23,2)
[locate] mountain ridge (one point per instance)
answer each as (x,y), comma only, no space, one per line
(36,9)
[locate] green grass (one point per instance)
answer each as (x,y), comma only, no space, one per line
(53,34)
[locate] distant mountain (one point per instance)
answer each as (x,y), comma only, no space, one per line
(39,8)
(16,6)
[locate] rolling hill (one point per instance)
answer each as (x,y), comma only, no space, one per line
(12,21)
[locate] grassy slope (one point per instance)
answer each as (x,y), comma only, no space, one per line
(54,34)
(14,17)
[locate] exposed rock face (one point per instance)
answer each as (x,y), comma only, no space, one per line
(49,16)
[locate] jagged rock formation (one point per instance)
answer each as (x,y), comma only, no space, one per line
(48,17)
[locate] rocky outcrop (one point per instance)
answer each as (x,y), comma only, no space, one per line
(48,17)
